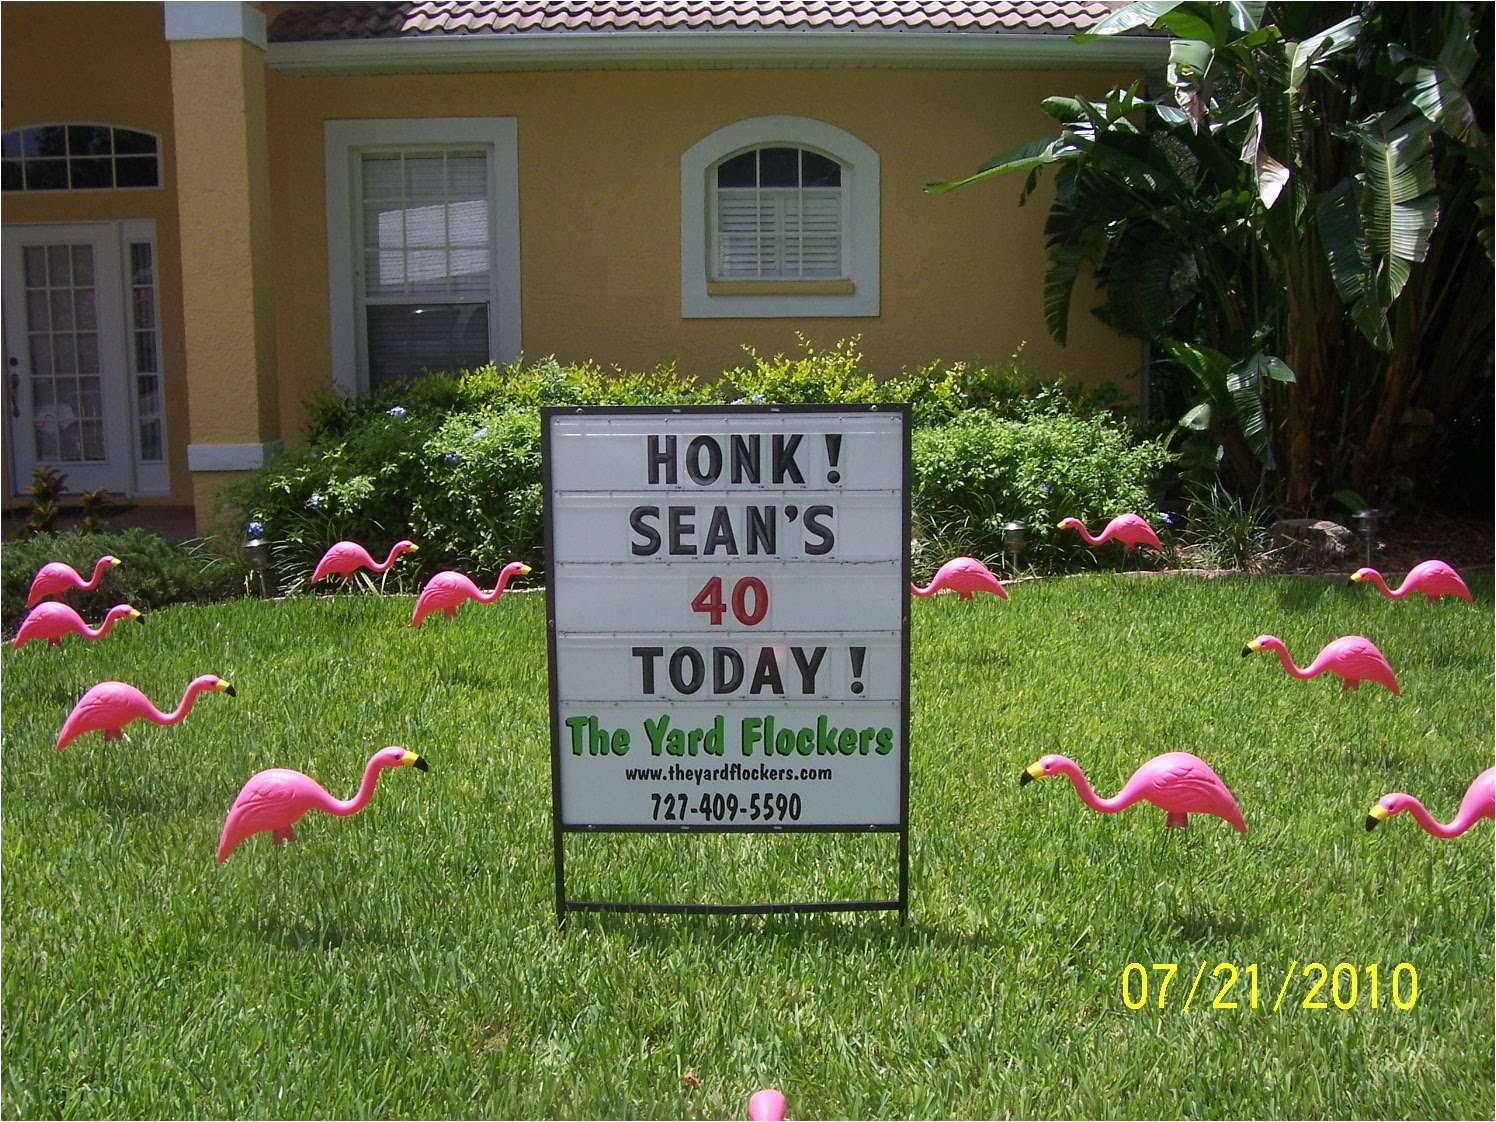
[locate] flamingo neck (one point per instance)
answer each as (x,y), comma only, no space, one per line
(388,561)
(365,792)
(193,689)
(927,590)
(1089,796)
(1282,653)
(98,574)
(1396,594)
(110,620)
(1086,535)
(1432,826)
(490,597)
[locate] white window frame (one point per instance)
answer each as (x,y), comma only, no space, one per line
(344,143)
(857,294)
(152,477)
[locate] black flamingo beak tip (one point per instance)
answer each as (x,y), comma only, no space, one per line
(1371,822)
(1245,651)
(420,762)
(1025,778)
(231,691)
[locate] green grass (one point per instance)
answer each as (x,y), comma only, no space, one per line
(407,961)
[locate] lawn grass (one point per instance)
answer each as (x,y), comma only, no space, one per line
(407,961)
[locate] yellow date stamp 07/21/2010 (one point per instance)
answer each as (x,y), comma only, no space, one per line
(1344,986)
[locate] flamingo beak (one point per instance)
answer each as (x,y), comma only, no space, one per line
(1030,773)
(225,688)
(523,570)
(415,548)
(1376,814)
(1356,578)
(137,616)
(1249,648)
(410,759)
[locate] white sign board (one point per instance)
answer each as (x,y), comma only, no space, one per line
(727,597)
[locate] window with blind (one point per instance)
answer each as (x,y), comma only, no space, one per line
(422,246)
(779,215)
(779,218)
(427,261)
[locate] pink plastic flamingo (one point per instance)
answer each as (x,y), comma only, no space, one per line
(54,619)
(275,799)
(446,590)
(1479,802)
(110,706)
(343,558)
(1177,782)
(1432,578)
(963,576)
(1129,529)
(1355,658)
(56,577)
(767,1105)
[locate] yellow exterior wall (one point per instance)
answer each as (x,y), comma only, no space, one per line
(599,182)
(103,64)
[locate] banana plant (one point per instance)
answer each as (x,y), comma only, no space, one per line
(1273,220)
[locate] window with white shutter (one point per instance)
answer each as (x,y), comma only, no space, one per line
(779,215)
(779,218)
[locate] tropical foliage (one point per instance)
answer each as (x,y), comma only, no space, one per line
(1290,224)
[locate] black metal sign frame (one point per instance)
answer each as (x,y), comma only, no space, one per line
(564,904)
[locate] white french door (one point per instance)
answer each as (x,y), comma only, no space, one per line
(68,376)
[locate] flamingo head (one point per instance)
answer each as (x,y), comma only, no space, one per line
(110,560)
(1363,574)
(1044,765)
(125,611)
(215,683)
(406,545)
(1385,808)
(1262,643)
(1070,524)
(396,756)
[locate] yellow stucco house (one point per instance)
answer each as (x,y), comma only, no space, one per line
(213,210)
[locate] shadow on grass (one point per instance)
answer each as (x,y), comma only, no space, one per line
(846,931)
(299,933)
(1302,595)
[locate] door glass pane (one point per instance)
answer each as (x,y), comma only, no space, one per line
(67,390)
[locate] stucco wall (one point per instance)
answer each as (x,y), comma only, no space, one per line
(103,64)
(599,157)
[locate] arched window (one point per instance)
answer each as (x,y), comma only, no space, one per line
(779,218)
(79,158)
(778,215)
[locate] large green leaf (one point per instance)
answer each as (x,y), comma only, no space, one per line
(1141,14)
(1399,208)
(1344,244)
(1317,48)
(1035,153)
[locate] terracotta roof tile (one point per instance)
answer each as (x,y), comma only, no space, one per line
(311,22)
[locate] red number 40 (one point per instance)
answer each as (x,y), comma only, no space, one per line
(710,602)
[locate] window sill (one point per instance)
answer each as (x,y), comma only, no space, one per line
(781,288)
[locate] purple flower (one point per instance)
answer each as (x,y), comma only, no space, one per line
(1166,518)
(255,529)
(397,411)
(314,500)
(1046,488)
(451,458)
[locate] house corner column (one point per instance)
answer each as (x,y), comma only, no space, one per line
(223,188)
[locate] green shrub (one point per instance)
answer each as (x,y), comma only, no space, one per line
(452,461)
(479,506)
(152,573)
(978,472)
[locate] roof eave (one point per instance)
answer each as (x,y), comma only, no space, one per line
(624,50)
